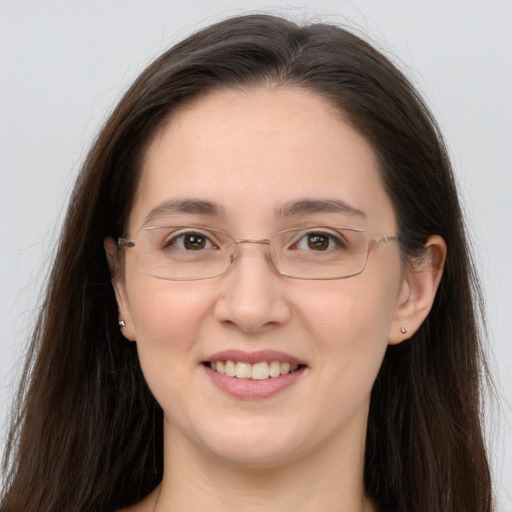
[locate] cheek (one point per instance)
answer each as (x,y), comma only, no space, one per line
(350,322)
(165,311)
(167,317)
(350,332)
(351,312)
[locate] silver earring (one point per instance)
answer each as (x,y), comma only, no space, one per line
(122,324)
(403,330)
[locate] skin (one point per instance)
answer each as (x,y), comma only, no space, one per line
(302,449)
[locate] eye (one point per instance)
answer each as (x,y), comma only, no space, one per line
(320,241)
(189,241)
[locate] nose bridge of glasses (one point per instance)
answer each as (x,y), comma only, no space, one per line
(264,241)
(236,243)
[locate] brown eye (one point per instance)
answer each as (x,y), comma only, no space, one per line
(194,242)
(318,241)
(189,241)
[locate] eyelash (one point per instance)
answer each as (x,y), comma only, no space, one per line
(178,240)
(334,241)
(171,242)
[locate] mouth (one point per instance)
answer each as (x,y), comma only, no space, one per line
(261,370)
(254,375)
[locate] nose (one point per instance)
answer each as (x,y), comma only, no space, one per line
(252,293)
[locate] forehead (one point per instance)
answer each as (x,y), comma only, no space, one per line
(253,153)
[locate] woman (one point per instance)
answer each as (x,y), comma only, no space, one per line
(262,298)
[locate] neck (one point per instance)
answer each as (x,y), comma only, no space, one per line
(195,481)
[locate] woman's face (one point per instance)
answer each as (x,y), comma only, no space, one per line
(252,164)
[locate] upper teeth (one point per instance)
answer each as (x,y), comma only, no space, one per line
(258,371)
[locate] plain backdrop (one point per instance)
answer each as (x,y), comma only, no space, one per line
(63,65)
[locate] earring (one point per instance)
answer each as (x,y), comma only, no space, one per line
(122,324)
(403,330)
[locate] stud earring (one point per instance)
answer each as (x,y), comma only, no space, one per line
(403,330)
(122,324)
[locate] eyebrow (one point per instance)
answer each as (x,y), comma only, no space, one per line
(308,206)
(290,209)
(190,206)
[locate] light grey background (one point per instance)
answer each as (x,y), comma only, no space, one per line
(63,65)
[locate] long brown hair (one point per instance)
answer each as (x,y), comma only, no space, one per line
(87,433)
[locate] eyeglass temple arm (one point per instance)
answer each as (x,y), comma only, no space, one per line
(125,242)
(385,239)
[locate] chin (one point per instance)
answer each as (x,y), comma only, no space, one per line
(255,458)
(255,446)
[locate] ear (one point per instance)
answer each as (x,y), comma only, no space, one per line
(111,249)
(418,291)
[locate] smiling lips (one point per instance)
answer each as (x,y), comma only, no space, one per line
(259,371)
(253,375)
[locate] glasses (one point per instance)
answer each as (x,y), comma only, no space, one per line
(186,253)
